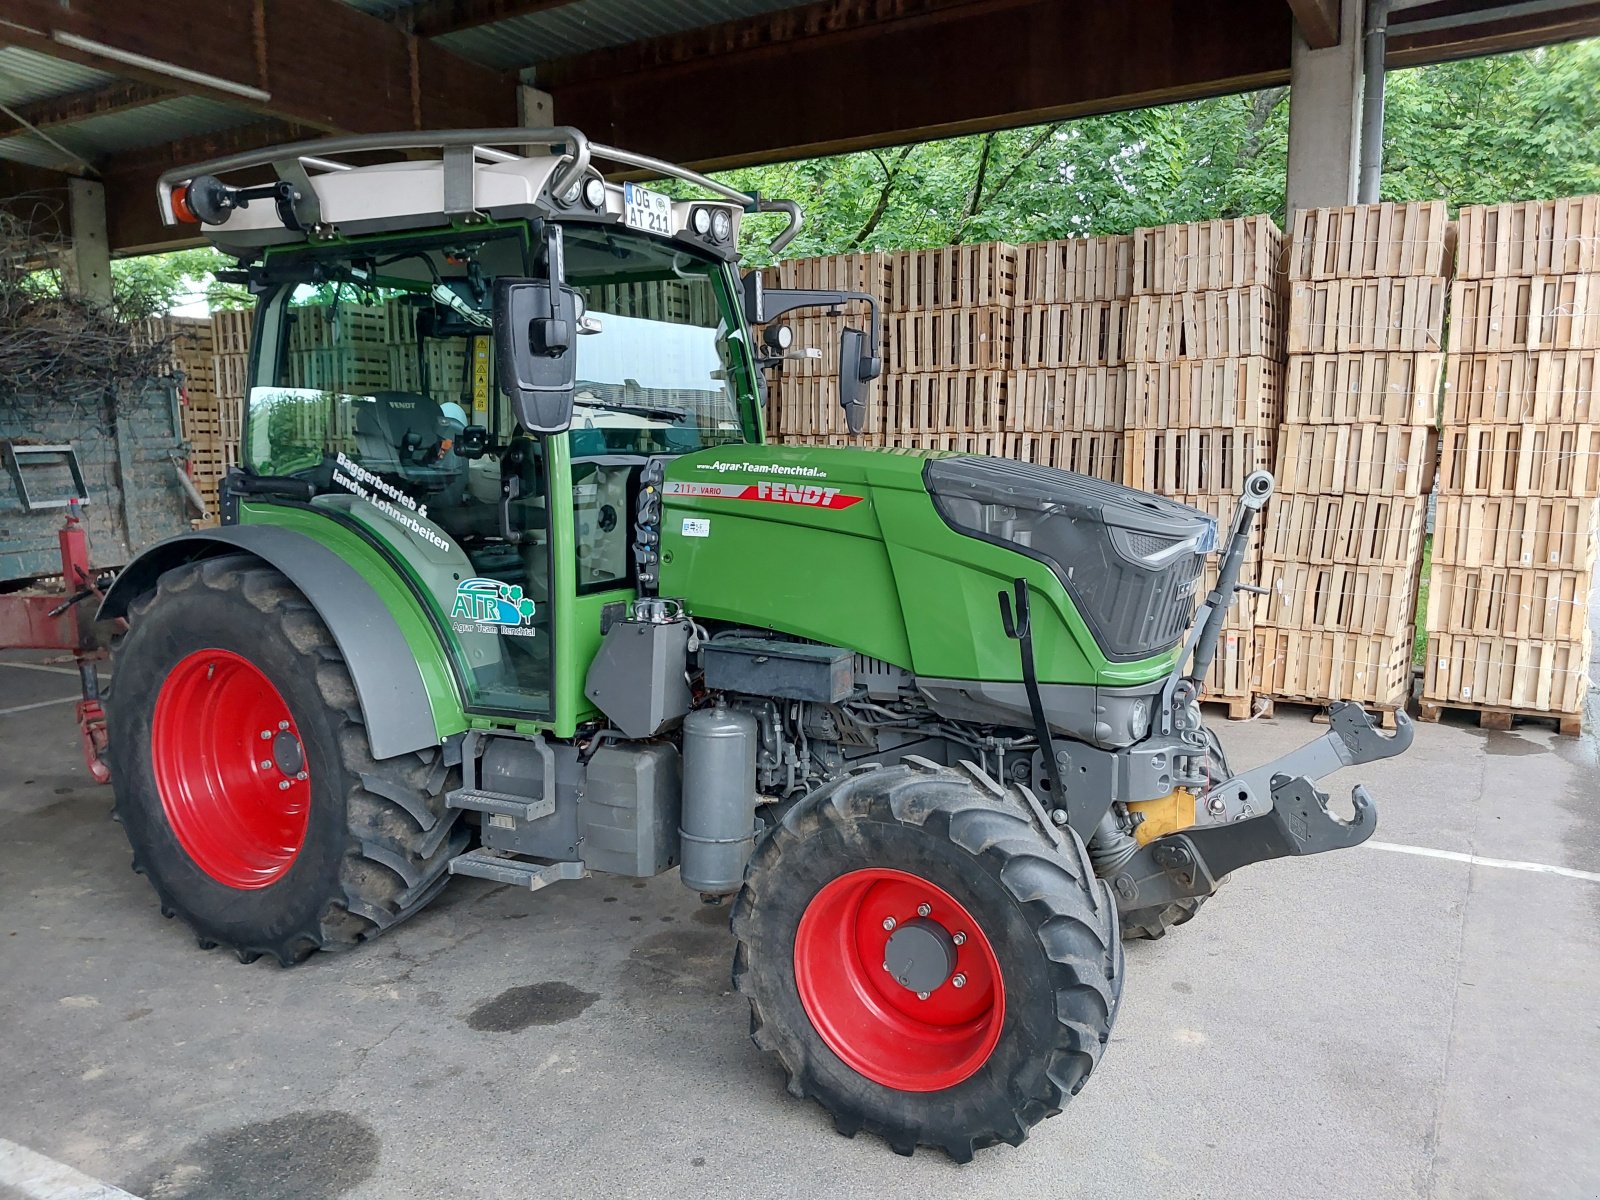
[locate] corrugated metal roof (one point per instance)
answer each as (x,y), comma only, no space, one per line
(26,76)
(150,125)
(591,25)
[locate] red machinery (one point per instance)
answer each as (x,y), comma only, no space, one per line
(37,619)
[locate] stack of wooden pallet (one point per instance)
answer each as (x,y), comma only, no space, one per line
(1205,347)
(1515,532)
(1067,390)
(1355,454)
(188,342)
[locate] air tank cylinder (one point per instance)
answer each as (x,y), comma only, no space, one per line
(719,788)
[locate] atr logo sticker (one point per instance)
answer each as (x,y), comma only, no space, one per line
(489,606)
(808,494)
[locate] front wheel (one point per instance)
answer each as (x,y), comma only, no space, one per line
(924,962)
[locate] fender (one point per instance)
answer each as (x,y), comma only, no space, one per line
(394,699)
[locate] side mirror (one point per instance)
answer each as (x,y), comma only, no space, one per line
(535,328)
(857,368)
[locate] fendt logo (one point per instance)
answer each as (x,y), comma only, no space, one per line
(801,493)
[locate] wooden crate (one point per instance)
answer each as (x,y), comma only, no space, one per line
(1087,334)
(954,277)
(1512,673)
(230,374)
(1316,667)
(1233,322)
(1206,255)
(1239,392)
(976,339)
(230,331)
(1346,389)
(1534,237)
(1371,240)
(1518,388)
(1558,461)
(1337,597)
(1513,602)
(868,272)
(1346,315)
(973,401)
(1541,312)
(1357,530)
(1516,531)
(1230,677)
(1193,461)
(1075,269)
(1041,399)
(1088,452)
(1332,460)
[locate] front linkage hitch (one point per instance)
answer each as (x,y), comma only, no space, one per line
(1272,811)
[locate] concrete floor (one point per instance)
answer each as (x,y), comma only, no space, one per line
(1366,1024)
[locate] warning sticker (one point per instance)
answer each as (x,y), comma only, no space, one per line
(773,491)
(696,527)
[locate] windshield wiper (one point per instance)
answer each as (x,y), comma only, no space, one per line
(641,410)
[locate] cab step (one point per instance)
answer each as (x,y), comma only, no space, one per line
(500,804)
(500,867)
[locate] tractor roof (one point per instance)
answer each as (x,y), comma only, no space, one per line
(456,178)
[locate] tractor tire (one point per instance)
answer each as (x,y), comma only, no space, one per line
(964,1064)
(1151,924)
(243,776)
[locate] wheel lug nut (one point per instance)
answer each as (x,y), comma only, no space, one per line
(283,725)
(301,775)
(283,785)
(266,735)
(960,939)
(266,764)
(922,995)
(923,910)
(959,981)
(888,922)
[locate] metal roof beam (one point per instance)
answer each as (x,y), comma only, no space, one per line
(66,109)
(1318,21)
(319,63)
(1452,29)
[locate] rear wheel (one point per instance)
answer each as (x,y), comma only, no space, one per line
(243,776)
(923,962)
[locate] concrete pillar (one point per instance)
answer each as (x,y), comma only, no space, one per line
(535,109)
(86,261)
(1325,116)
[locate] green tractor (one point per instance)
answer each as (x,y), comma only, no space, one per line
(510,585)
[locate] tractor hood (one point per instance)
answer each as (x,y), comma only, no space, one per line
(900,555)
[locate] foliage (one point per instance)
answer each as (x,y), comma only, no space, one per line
(1512,127)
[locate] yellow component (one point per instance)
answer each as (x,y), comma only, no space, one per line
(480,376)
(1172,812)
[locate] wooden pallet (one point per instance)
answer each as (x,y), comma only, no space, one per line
(1196,461)
(1206,255)
(1074,269)
(1241,392)
(954,402)
(1522,674)
(1511,602)
(1337,597)
(1535,237)
(1319,667)
(1086,334)
(1513,531)
(868,272)
(1503,719)
(1358,315)
(1067,398)
(1239,708)
(231,373)
(1540,312)
(1345,389)
(1335,460)
(1371,240)
(1378,531)
(964,339)
(1231,323)
(954,277)
(1556,461)
(230,331)
(809,406)
(1267,709)
(1519,388)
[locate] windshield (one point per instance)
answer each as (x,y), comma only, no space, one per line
(659,369)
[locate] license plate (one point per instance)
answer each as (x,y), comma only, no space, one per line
(646,210)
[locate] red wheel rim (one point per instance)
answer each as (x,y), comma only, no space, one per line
(878,1027)
(230,769)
